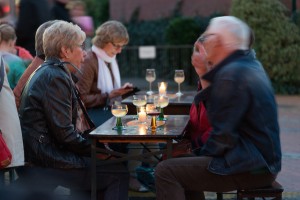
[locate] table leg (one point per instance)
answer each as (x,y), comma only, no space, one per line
(169,149)
(93,170)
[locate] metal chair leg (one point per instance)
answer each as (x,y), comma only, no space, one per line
(219,196)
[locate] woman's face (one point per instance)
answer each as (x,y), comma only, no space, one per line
(75,55)
(113,49)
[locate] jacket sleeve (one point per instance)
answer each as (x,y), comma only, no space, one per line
(228,104)
(58,109)
(87,84)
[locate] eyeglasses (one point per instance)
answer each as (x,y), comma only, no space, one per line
(116,46)
(82,46)
(202,38)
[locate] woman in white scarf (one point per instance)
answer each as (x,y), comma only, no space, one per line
(100,82)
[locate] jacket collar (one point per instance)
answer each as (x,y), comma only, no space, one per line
(201,96)
(52,60)
(209,76)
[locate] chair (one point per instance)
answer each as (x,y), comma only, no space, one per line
(274,191)
(7,175)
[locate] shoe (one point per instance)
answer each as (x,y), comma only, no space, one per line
(136,186)
(146,177)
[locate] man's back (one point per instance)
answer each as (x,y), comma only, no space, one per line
(242,105)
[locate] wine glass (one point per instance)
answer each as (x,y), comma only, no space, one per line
(119,110)
(150,77)
(179,78)
(161,102)
(139,101)
(152,111)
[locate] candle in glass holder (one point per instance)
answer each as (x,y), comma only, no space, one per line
(162,88)
(142,117)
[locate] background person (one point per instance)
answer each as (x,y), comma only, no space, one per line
(243,149)
(10,124)
(100,81)
(60,10)
(7,46)
(77,10)
(53,143)
(37,61)
(31,14)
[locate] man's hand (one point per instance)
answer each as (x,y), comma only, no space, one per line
(199,59)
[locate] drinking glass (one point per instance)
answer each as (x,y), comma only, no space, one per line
(139,101)
(161,102)
(150,77)
(119,111)
(152,111)
(179,78)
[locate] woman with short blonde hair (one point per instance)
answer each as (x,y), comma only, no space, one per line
(54,141)
(111,31)
(61,34)
(100,81)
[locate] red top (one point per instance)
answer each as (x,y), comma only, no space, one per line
(23,53)
(199,127)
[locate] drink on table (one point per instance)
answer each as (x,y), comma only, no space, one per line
(139,101)
(179,78)
(161,102)
(119,111)
(150,77)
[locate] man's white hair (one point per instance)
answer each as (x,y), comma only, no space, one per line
(234,32)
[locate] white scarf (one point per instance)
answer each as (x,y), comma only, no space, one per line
(105,80)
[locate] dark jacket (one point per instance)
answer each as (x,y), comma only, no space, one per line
(48,113)
(242,109)
(59,11)
(32,14)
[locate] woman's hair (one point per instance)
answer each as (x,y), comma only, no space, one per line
(39,36)
(7,33)
(110,31)
(61,34)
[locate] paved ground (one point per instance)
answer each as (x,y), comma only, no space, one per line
(289,119)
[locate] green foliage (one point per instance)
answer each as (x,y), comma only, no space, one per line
(99,10)
(147,32)
(277,41)
(182,31)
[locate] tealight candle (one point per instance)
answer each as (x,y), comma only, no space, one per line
(142,117)
(162,88)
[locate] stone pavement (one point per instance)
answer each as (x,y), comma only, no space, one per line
(289,120)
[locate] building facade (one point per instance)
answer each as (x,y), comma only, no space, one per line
(124,10)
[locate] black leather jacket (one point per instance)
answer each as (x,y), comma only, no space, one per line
(242,109)
(48,113)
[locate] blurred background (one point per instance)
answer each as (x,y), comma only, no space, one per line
(170,27)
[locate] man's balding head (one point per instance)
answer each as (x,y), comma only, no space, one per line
(233,32)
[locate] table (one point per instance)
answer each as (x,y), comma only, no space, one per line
(134,133)
(177,105)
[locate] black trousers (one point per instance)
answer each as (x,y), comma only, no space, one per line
(187,178)
(39,181)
